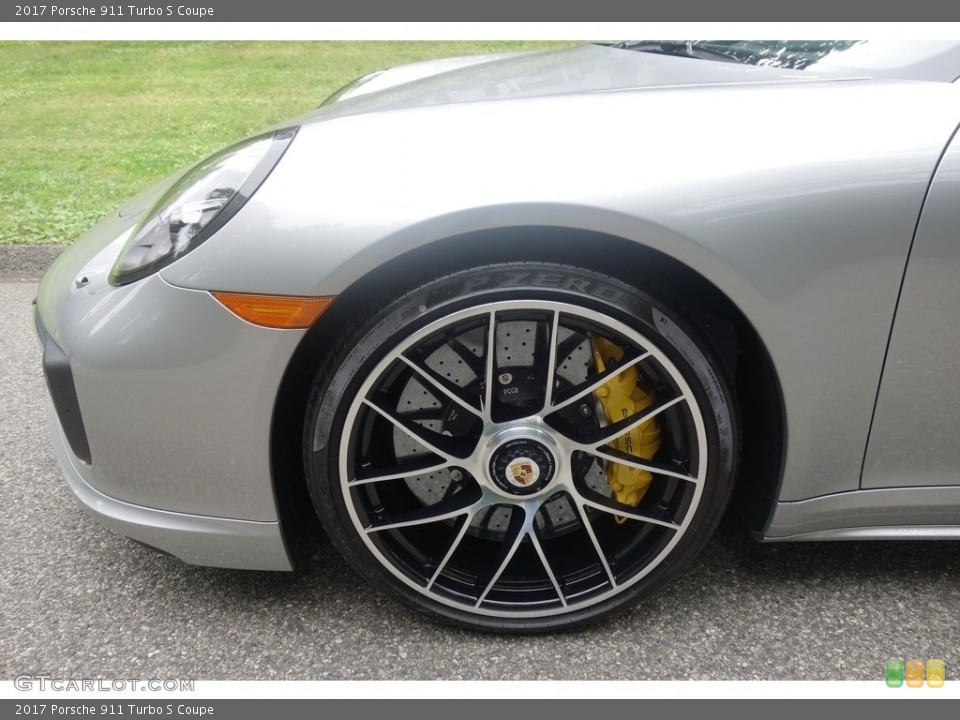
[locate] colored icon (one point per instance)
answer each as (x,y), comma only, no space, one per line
(935,673)
(914,673)
(894,672)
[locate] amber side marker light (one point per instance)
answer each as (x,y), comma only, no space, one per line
(275,311)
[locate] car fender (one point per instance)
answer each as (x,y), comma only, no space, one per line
(803,219)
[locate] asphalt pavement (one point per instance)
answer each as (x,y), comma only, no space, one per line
(80,601)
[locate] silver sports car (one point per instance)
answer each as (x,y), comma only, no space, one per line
(519,329)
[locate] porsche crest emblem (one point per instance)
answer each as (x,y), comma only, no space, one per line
(522,472)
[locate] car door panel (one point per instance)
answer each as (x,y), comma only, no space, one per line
(914,438)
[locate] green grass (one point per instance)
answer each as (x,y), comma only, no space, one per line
(85,125)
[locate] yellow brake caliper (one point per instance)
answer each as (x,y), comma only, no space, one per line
(621,397)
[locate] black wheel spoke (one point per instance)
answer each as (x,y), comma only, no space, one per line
(442,445)
(464,526)
(588,388)
(658,517)
(446,388)
(611,432)
(489,366)
(470,359)
(516,531)
(538,547)
(567,346)
(455,506)
(580,507)
(618,456)
(412,468)
(426,414)
(546,349)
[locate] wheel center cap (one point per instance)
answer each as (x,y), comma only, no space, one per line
(522,466)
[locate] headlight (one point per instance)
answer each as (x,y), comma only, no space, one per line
(198,205)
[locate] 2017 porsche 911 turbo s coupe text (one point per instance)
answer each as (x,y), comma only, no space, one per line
(519,329)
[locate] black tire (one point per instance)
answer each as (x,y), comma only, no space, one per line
(504,518)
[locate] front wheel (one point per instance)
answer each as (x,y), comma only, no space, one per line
(521,447)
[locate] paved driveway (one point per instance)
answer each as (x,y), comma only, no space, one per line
(79,601)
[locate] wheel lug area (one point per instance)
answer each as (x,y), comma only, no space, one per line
(519,461)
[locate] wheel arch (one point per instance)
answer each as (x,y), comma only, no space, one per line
(720,320)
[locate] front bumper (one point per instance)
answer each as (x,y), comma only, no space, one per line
(162,405)
(196,539)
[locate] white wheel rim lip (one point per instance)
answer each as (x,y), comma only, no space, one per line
(345,462)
